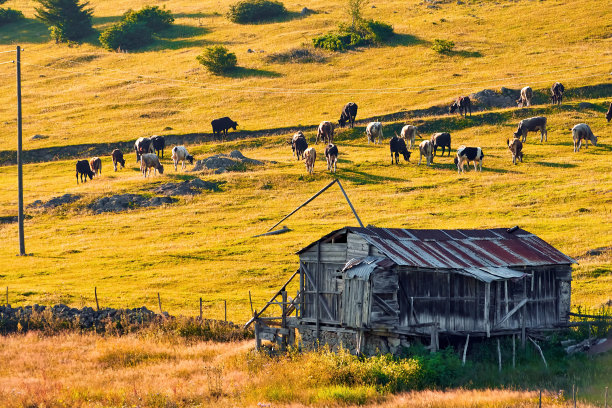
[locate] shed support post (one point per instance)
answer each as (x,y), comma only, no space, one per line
(284,320)
(486,308)
(467,341)
(499,362)
(523,330)
(257,338)
(513,351)
(317,302)
(302,293)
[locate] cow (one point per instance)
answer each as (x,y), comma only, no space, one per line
(222,125)
(581,132)
(349,112)
(442,140)
(331,154)
(397,145)
(181,153)
(467,154)
(609,113)
(96,165)
(299,144)
(409,133)
(426,149)
(143,145)
(159,144)
(374,130)
(557,93)
(310,156)
(325,132)
(84,170)
(148,161)
(532,125)
(463,104)
(516,148)
(525,98)
(117,156)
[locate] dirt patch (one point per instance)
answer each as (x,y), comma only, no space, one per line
(123,202)
(55,201)
(190,187)
(221,163)
(595,252)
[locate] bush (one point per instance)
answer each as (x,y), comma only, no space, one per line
(365,32)
(254,11)
(68,20)
(443,46)
(9,15)
(126,35)
(217,59)
(153,17)
(296,55)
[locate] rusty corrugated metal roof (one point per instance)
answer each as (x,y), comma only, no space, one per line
(461,248)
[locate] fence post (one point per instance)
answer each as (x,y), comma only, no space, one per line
(200,309)
(96,296)
(159,303)
(606,398)
(540,400)
(7,302)
(574,394)
(225,309)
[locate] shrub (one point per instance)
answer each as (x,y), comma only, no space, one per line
(153,17)
(254,11)
(126,35)
(9,15)
(365,32)
(443,46)
(217,59)
(68,20)
(296,55)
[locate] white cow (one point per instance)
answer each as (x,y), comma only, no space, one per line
(409,132)
(374,130)
(581,132)
(181,153)
(426,149)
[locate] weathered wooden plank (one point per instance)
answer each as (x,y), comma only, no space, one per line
(509,314)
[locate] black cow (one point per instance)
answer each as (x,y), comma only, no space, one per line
(609,113)
(159,143)
(349,112)
(556,93)
(463,103)
(442,140)
(83,169)
(223,125)
(142,146)
(397,145)
(299,144)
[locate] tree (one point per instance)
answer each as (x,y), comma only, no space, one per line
(355,8)
(217,59)
(68,20)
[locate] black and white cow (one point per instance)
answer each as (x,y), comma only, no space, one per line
(299,144)
(142,146)
(397,145)
(463,104)
(331,155)
(467,154)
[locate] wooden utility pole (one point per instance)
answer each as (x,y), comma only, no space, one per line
(19,158)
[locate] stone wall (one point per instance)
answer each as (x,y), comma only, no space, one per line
(373,344)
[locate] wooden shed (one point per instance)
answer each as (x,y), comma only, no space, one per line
(375,289)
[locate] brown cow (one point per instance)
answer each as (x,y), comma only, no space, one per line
(96,165)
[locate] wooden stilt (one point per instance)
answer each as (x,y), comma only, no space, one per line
(513,351)
(467,341)
(540,350)
(499,363)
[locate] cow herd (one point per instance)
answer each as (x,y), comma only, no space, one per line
(148,151)
(404,142)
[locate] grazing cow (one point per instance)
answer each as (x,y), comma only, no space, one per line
(84,170)
(96,165)
(426,149)
(374,130)
(325,132)
(223,125)
(299,144)
(467,154)
(159,144)
(581,132)
(557,93)
(442,140)
(310,156)
(349,112)
(117,156)
(516,147)
(148,161)
(609,113)
(180,153)
(331,154)
(143,145)
(397,145)
(525,98)
(532,125)
(463,104)
(409,133)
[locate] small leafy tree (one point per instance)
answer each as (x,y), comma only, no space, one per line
(254,11)
(217,59)
(443,46)
(152,16)
(68,20)
(355,8)
(126,35)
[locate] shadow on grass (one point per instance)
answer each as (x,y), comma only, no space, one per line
(196,15)
(557,165)
(289,16)
(361,177)
(27,30)
(242,72)
(465,54)
(404,40)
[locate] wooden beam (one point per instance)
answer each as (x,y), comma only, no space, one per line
(486,308)
(247,324)
(510,313)
(384,304)
(467,341)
